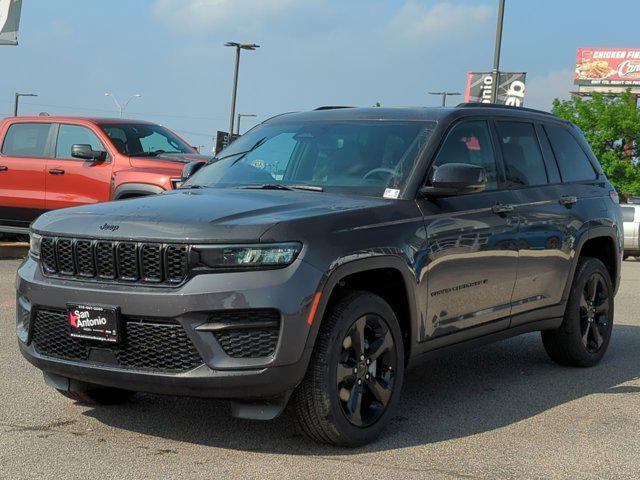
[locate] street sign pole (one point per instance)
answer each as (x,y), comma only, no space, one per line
(496,54)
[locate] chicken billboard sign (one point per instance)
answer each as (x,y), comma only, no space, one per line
(9,21)
(511,87)
(608,67)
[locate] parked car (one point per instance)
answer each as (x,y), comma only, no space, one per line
(321,254)
(631,218)
(48,163)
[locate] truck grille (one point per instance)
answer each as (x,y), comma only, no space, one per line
(104,260)
(162,347)
(247,333)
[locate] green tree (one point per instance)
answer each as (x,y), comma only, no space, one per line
(611,125)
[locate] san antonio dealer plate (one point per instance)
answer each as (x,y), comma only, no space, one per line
(94,322)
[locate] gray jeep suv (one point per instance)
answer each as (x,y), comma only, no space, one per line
(321,254)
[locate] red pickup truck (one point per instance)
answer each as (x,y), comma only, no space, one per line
(55,162)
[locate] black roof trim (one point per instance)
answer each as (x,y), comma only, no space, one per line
(500,106)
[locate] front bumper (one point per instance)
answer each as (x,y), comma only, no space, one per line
(289,290)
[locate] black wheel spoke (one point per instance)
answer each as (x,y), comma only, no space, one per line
(603,307)
(380,390)
(354,404)
(585,334)
(592,288)
(345,373)
(583,303)
(597,336)
(380,346)
(357,337)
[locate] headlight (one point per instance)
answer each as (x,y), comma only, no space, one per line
(240,257)
(34,244)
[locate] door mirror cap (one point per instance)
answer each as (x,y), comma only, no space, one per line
(190,168)
(455,179)
(86,152)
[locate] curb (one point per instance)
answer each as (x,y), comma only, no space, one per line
(13,250)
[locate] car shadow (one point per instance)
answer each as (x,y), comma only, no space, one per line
(454,396)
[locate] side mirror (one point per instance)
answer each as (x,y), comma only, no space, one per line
(81,150)
(455,179)
(189,169)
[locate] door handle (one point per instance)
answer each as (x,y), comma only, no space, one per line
(501,208)
(568,200)
(3,168)
(56,171)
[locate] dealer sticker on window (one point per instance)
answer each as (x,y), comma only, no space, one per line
(391,193)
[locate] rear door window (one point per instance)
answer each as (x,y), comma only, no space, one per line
(521,152)
(69,135)
(572,161)
(26,140)
(628,214)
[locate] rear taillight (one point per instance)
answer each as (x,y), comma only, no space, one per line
(614,196)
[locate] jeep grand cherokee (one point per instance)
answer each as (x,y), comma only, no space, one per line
(322,253)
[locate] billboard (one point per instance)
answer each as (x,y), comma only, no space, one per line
(608,67)
(511,88)
(222,141)
(9,21)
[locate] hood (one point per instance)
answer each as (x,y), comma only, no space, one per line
(213,215)
(172,157)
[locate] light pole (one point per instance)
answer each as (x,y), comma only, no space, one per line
(16,100)
(240,115)
(238,47)
(496,54)
(121,107)
(444,95)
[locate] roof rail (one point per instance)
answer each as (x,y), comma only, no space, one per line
(506,107)
(332,107)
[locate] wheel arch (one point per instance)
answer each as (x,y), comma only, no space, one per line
(364,274)
(127,190)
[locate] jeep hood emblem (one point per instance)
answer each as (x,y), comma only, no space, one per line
(111,228)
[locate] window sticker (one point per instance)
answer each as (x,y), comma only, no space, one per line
(391,193)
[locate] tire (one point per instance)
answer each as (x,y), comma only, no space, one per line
(100,396)
(344,412)
(583,337)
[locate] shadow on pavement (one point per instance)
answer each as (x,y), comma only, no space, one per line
(450,397)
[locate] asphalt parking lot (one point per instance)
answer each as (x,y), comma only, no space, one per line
(501,411)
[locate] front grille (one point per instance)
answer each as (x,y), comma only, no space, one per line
(247,333)
(162,347)
(105,260)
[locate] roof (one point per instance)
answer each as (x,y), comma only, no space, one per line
(58,118)
(412,113)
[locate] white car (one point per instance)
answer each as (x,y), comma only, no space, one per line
(631,218)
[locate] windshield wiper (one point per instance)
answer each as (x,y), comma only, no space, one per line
(145,154)
(279,186)
(190,187)
(244,152)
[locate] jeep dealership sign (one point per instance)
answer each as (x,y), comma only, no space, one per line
(511,88)
(9,21)
(610,67)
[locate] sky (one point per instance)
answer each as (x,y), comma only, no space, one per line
(312,53)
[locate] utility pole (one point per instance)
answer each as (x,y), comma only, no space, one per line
(16,100)
(444,96)
(240,115)
(234,93)
(496,54)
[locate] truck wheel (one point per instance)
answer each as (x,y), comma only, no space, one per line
(355,375)
(100,396)
(583,337)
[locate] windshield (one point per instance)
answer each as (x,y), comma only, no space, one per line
(144,139)
(361,157)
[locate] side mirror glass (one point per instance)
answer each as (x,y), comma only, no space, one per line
(86,152)
(456,179)
(189,169)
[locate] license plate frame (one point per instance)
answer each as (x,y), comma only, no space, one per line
(100,323)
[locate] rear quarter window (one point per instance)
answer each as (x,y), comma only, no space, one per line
(572,161)
(26,140)
(628,214)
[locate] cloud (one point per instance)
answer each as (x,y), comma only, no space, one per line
(414,21)
(241,16)
(543,89)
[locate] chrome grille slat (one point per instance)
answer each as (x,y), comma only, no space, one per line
(115,261)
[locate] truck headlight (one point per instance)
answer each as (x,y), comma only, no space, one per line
(241,257)
(34,244)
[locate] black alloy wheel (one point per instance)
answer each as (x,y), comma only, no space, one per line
(366,370)
(595,308)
